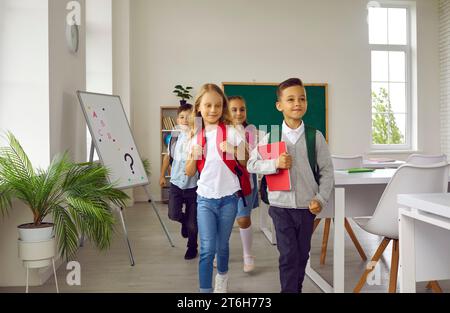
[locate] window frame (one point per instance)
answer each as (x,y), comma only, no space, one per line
(407,49)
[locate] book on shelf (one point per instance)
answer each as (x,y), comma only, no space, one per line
(172,122)
(167,125)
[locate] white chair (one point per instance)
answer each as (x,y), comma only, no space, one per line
(341,163)
(346,162)
(423,159)
(384,222)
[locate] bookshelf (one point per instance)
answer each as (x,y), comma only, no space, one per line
(168,121)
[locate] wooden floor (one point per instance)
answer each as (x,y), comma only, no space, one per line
(161,268)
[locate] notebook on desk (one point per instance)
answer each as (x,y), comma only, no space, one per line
(360,170)
(280,181)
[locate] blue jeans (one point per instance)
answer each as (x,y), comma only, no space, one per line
(215,219)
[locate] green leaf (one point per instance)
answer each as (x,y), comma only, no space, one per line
(78,196)
(146,164)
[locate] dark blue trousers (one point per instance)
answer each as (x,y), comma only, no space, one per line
(178,197)
(293,229)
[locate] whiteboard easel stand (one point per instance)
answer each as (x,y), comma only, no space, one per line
(96,102)
(130,252)
(159,217)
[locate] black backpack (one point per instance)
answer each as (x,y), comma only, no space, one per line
(310,134)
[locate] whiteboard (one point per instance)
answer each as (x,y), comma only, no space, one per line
(113,139)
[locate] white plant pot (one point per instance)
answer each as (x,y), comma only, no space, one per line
(36,234)
(37,254)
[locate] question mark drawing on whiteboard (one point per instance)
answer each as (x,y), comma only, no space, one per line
(132,161)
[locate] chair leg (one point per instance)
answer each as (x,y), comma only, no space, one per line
(434,286)
(370,268)
(326,233)
(394,267)
(352,235)
(316,223)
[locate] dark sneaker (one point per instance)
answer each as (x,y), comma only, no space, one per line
(191,253)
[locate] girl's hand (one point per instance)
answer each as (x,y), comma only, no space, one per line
(196,152)
(162,181)
(315,207)
(227,147)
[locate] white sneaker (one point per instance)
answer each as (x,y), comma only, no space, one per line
(221,283)
(249,264)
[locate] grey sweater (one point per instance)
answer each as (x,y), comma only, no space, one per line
(303,185)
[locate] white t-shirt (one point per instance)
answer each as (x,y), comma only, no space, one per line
(216,179)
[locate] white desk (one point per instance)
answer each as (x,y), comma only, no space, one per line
(355,194)
(424,234)
(364,191)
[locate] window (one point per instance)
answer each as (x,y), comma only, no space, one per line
(390,47)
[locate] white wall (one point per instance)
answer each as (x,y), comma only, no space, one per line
(67,75)
(121,52)
(197,41)
(57,125)
(98,53)
(99,46)
(24,76)
(24,109)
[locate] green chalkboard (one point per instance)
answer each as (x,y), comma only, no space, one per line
(261,99)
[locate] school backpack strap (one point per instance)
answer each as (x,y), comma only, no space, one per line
(201,141)
(172,143)
(263,191)
(310,133)
(234,166)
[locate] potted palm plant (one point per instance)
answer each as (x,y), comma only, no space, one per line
(77,196)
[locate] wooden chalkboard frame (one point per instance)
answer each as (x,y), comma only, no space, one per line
(325,85)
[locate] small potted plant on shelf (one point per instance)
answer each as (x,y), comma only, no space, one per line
(183,93)
(79,197)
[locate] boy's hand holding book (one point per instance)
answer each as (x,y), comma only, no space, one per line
(315,207)
(284,161)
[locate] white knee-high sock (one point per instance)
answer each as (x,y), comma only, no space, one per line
(247,240)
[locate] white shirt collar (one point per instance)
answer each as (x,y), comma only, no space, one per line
(293,134)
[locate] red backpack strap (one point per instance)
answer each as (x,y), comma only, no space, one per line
(221,137)
(201,141)
(235,167)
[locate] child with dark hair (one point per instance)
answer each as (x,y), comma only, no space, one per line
(183,189)
(293,212)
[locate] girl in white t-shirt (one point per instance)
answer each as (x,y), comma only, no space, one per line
(214,155)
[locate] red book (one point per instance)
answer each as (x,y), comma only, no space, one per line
(280,181)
